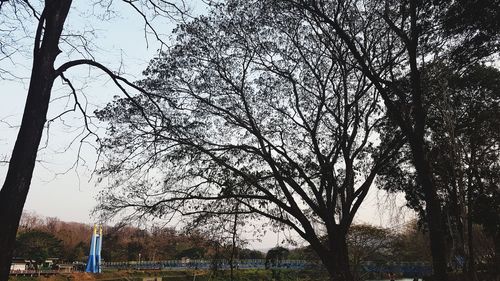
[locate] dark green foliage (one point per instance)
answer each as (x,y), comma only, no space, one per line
(464,140)
(275,256)
(250,254)
(303,253)
(192,253)
(38,246)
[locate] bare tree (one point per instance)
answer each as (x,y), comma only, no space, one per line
(46,47)
(254,108)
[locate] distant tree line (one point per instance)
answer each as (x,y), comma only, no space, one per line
(40,238)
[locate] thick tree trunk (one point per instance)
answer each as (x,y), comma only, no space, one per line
(456,217)
(336,259)
(22,162)
(471,265)
(419,151)
(433,210)
(497,255)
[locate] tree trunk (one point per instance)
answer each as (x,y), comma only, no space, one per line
(471,270)
(22,162)
(419,151)
(456,217)
(336,260)
(233,244)
(471,267)
(433,210)
(497,255)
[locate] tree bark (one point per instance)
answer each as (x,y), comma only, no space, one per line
(471,263)
(413,128)
(22,162)
(336,259)
(233,244)
(432,208)
(471,266)
(496,241)
(419,152)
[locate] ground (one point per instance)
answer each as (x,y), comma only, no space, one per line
(241,275)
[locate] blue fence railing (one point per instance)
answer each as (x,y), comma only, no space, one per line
(207,264)
(406,268)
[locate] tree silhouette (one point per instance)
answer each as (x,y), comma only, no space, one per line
(463,120)
(252,109)
(392,43)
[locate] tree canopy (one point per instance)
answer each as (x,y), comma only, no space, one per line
(37,245)
(253,109)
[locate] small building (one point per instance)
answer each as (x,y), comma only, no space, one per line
(19,264)
(16,266)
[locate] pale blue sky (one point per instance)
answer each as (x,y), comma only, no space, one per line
(121,45)
(118,43)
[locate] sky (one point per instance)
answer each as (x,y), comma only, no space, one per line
(63,184)
(58,188)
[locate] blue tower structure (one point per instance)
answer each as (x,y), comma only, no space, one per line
(94,262)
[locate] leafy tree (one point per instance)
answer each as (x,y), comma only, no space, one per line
(275,256)
(368,243)
(403,32)
(464,127)
(411,244)
(468,173)
(37,245)
(250,254)
(303,253)
(192,253)
(250,109)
